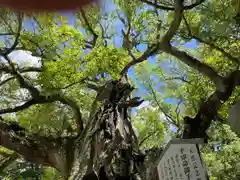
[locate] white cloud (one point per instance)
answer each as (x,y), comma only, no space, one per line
(25,58)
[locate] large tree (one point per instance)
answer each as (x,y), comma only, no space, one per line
(71,109)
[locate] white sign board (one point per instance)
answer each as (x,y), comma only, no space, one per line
(181,160)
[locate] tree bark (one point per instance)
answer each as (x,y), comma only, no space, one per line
(107,148)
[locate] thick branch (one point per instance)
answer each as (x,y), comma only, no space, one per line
(196,127)
(37,149)
(34,151)
(170,8)
(43,100)
(151,50)
(6,34)
(18,108)
(15,72)
(37,98)
(175,23)
(4,68)
(30,69)
(196,64)
(212,45)
(24,70)
(27,85)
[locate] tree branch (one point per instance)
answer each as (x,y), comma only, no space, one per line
(197,126)
(150,51)
(36,149)
(16,41)
(175,23)
(168,117)
(153,49)
(170,8)
(53,98)
(13,142)
(88,45)
(177,78)
(177,111)
(18,108)
(30,69)
(6,34)
(212,45)
(75,108)
(95,36)
(146,138)
(196,64)
(83,81)
(37,98)
(4,68)
(24,70)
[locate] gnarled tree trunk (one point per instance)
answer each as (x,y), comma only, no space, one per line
(108,148)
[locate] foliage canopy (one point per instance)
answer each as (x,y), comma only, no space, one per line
(182,58)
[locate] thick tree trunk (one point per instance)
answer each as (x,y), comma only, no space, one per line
(108,148)
(105,148)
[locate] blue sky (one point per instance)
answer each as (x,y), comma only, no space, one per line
(118,42)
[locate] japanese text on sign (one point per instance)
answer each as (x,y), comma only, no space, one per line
(181,162)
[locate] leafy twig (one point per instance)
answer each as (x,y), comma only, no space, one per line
(95,36)
(165,42)
(146,138)
(16,41)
